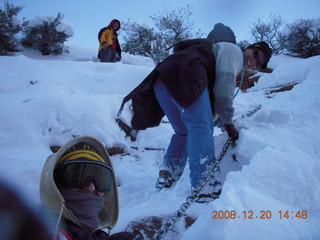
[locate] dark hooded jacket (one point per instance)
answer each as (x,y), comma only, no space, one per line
(185,74)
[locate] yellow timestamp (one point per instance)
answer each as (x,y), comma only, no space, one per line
(263,214)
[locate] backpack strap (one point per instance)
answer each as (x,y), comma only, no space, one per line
(101,31)
(187,43)
(135,91)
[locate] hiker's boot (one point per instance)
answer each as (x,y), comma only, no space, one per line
(210,192)
(164,180)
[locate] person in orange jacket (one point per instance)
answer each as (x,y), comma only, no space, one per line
(109,48)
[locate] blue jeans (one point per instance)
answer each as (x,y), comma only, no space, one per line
(193,135)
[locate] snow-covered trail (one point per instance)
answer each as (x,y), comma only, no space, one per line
(49,101)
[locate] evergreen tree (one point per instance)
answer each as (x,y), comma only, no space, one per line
(9,27)
(138,39)
(43,34)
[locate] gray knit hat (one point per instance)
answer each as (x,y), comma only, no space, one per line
(221,33)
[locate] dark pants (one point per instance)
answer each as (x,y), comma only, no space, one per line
(109,55)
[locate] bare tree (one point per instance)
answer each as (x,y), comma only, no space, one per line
(303,37)
(176,25)
(170,28)
(269,32)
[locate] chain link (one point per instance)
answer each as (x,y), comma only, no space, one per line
(249,113)
(196,192)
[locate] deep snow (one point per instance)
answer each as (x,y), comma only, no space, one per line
(49,100)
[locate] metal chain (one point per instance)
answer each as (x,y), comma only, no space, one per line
(196,192)
(249,113)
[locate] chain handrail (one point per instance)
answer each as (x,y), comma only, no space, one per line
(196,192)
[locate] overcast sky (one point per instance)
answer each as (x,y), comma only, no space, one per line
(88,16)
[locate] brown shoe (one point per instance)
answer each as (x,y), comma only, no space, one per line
(164,180)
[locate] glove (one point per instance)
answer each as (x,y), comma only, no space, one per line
(232,132)
(105,46)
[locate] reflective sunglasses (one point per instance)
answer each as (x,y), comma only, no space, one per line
(78,173)
(256,57)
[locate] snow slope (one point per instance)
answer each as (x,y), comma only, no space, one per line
(49,100)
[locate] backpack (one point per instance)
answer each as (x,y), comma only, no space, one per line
(100,32)
(221,33)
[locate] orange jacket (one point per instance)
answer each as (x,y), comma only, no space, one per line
(108,36)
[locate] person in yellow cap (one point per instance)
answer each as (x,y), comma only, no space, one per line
(78,184)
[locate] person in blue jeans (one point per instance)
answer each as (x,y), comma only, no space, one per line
(193,127)
(194,87)
(193,124)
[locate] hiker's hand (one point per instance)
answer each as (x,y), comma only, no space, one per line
(105,46)
(232,132)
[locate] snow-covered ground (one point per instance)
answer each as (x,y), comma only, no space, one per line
(47,101)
